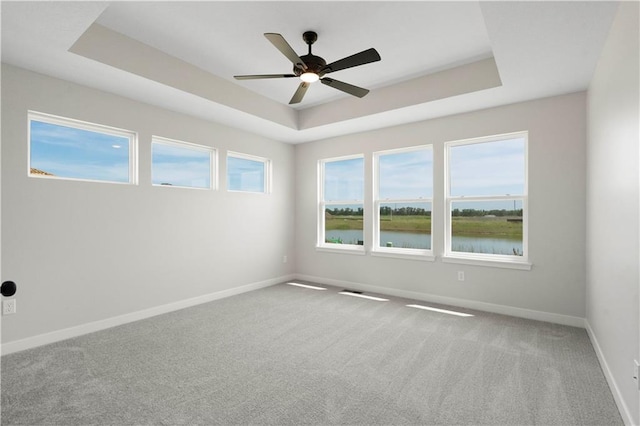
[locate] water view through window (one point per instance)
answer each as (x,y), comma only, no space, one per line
(343,196)
(487,227)
(486,199)
(487,196)
(403,203)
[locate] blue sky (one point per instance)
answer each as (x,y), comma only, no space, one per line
(180,166)
(406,175)
(344,180)
(481,169)
(81,154)
(492,168)
(245,175)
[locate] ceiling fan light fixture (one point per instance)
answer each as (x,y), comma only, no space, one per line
(309,77)
(310,68)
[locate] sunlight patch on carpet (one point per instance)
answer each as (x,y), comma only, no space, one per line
(364,296)
(442,311)
(312,287)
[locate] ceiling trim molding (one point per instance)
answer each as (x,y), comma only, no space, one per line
(111,48)
(119,51)
(460,80)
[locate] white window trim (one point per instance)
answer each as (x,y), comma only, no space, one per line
(213,161)
(485,259)
(321,245)
(398,252)
(92,127)
(267,172)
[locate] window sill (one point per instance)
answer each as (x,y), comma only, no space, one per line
(180,187)
(408,254)
(494,263)
(239,191)
(342,249)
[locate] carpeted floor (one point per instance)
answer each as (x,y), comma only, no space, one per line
(290,355)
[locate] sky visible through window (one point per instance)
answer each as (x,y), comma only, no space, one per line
(344,180)
(491,168)
(406,175)
(180,166)
(79,154)
(245,175)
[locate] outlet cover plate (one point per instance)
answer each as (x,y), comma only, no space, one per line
(8,306)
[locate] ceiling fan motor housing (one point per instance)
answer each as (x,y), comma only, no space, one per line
(314,64)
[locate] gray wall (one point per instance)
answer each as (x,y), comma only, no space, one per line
(613,214)
(554,285)
(84,252)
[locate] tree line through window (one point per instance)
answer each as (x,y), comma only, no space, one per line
(485,200)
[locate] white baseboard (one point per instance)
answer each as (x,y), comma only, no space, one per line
(68,333)
(613,385)
(462,303)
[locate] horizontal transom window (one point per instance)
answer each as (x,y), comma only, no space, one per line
(181,164)
(64,148)
(248,173)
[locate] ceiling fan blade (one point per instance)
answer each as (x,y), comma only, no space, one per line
(364,57)
(257,76)
(302,89)
(345,87)
(281,44)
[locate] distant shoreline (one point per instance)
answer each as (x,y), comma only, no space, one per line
(507,227)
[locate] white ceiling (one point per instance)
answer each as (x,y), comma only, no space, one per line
(438,58)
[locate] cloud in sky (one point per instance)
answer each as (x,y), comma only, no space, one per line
(245,175)
(81,154)
(180,166)
(491,168)
(344,180)
(406,175)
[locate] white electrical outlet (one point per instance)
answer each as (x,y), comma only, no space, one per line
(284,259)
(8,306)
(460,275)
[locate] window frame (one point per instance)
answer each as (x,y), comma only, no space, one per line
(267,171)
(376,249)
(487,259)
(213,161)
(321,244)
(90,127)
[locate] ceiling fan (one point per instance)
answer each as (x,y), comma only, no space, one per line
(310,68)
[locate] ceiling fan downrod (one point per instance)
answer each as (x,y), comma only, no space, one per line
(313,63)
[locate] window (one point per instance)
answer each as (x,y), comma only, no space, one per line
(181,164)
(403,201)
(486,199)
(70,149)
(341,206)
(247,173)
